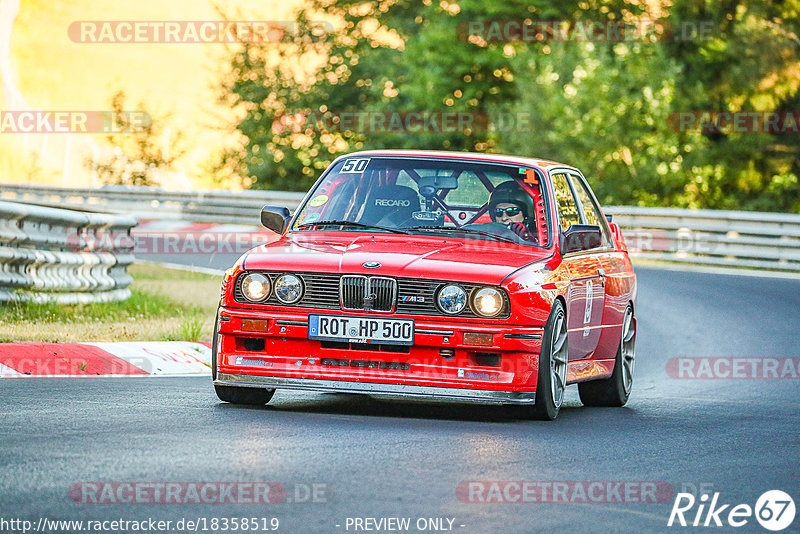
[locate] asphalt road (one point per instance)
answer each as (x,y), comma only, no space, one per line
(378,458)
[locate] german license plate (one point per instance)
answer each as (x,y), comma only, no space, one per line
(361,329)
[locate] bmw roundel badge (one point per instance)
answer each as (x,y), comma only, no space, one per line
(371,264)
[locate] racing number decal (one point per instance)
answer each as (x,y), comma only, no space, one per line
(587,312)
(354,166)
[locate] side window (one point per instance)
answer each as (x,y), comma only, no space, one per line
(589,208)
(567,208)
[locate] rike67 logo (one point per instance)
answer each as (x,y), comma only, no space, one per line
(774,510)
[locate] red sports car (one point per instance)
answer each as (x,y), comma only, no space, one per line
(472,277)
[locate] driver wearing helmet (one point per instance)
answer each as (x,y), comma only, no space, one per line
(511,206)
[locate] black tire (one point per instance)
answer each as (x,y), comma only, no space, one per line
(233,394)
(251,396)
(615,390)
(214,348)
(552,366)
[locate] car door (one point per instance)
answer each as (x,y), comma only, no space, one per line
(612,265)
(586,292)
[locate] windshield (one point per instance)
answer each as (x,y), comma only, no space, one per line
(428,196)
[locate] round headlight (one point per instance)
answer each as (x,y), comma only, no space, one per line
(487,301)
(451,299)
(288,288)
(255,287)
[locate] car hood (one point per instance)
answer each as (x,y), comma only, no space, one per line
(439,258)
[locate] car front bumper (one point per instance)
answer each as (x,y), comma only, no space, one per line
(378,389)
(272,349)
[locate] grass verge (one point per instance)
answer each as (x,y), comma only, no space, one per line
(165,305)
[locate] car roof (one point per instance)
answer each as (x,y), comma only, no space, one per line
(476,156)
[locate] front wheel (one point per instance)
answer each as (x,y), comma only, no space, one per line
(233,394)
(615,390)
(251,396)
(214,348)
(552,379)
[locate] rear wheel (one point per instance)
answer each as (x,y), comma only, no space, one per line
(552,379)
(614,391)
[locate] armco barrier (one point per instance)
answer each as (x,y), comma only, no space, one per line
(712,237)
(215,206)
(57,255)
(704,237)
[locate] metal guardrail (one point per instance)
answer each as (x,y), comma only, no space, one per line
(712,237)
(213,206)
(54,255)
(703,237)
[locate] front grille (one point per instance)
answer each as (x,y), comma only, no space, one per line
(352,290)
(376,293)
(412,296)
(322,291)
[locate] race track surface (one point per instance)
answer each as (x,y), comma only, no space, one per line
(380,458)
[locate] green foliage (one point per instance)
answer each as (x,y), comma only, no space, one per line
(605,107)
(138,306)
(749,62)
(189,329)
(164,304)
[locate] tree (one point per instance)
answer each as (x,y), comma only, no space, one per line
(749,62)
(603,107)
(138,154)
(382,56)
(608,107)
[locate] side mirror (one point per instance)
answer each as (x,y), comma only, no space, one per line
(580,237)
(275,218)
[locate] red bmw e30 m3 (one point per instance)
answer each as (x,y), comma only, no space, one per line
(473,277)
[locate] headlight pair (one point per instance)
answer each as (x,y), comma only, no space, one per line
(257,288)
(484,301)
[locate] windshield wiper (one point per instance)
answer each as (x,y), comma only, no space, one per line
(465,230)
(351,223)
